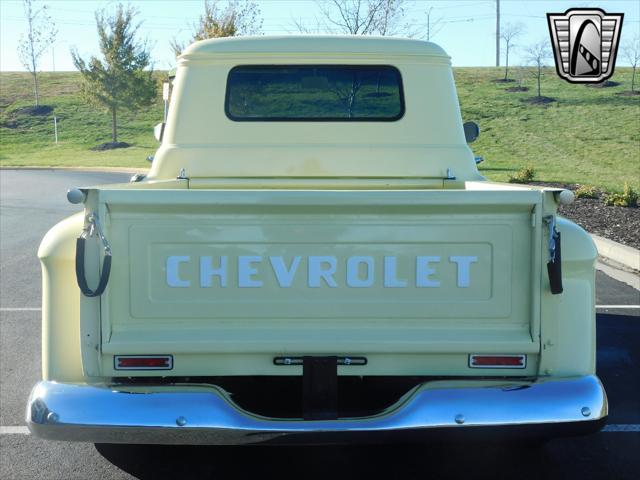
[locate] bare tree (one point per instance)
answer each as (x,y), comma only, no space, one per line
(41,34)
(359,17)
(631,53)
(237,17)
(391,18)
(347,95)
(538,54)
(508,34)
(521,72)
(300,26)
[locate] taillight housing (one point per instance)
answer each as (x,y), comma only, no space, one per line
(497,361)
(143,362)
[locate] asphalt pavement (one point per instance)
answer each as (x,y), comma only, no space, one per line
(31,201)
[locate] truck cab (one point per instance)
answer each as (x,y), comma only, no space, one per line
(314,256)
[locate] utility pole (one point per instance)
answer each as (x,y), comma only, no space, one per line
(433,27)
(497,33)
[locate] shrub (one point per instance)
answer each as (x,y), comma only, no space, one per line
(628,197)
(524,175)
(587,191)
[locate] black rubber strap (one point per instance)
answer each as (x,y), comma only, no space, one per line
(554,268)
(80,274)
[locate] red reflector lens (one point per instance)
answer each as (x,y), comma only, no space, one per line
(158,362)
(497,361)
(143,362)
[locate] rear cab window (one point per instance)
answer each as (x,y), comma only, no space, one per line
(314,93)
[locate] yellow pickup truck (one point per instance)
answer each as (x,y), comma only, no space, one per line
(314,257)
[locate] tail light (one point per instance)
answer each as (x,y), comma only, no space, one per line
(497,361)
(143,362)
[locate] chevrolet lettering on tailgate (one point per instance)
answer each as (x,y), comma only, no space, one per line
(321,271)
(314,257)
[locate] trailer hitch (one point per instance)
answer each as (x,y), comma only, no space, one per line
(92,226)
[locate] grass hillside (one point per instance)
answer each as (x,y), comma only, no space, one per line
(28,140)
(587,135)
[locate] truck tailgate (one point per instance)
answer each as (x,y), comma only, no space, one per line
(256,273)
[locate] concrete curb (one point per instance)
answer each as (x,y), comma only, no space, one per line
(626,256)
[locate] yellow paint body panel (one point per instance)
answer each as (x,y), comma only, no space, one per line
(426,141)
(61,356)
(266,193)
(143,314)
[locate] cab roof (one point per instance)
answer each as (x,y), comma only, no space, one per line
(315,44)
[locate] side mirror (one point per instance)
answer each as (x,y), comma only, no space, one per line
(471,131)
(158,131)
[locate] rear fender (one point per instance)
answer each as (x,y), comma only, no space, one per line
(61,351)
(568,320)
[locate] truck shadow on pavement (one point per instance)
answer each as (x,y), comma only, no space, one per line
(580,457)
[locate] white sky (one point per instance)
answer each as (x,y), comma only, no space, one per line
(466,27)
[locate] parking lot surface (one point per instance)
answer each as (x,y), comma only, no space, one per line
(34,200)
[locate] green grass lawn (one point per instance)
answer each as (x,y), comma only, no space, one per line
(28,140)
(588,135)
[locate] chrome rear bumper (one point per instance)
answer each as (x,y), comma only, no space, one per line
(203,414)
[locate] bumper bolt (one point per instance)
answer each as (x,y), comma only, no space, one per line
(459,419)
(181,421)
(586,411)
